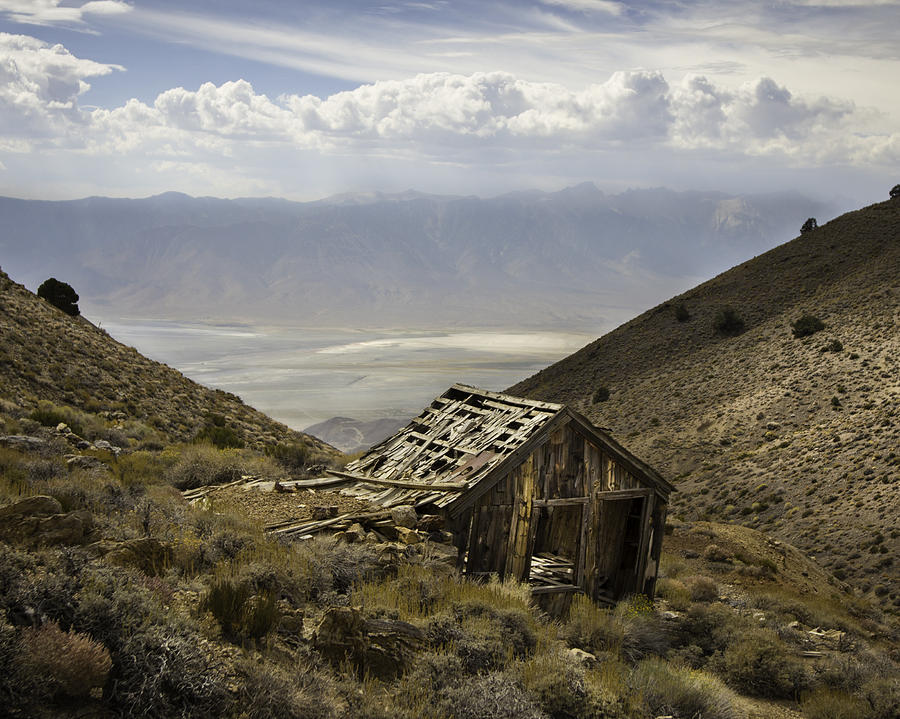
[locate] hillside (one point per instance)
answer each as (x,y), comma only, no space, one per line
(411,260)
(797,437)
(45,355)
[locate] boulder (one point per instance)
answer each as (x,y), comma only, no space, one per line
(404,516)
(40,520)
(408,536)
(22,442)
(356,533)
(84,461)
(381,648)
(102,444)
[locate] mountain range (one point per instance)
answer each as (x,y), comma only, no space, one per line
(574,258)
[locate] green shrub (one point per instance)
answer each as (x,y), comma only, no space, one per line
(833,346)
(675,691)
(293,456)
(221,437)
(759,663)
(560,688)
(48,415)
(161,673)
(709,627)
(701,588)
(728,322)
(239,616)
(590,628)
(681,312)
(833,704)
(488,696)
(643,631)
(268,691)
(675,593)
(62,664)
(601,394)
(807,325)
(883,697)
(201,465)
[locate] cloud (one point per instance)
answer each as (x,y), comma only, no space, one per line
(604,6)
(52,12)
(40,85)
(230,135)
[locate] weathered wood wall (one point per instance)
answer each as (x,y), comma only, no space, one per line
(553,500)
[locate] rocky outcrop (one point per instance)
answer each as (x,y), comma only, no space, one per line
(381,648)
(40,521)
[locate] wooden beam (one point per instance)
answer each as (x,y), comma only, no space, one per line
(555,589)
(622,494)
(447,487)
(560,502)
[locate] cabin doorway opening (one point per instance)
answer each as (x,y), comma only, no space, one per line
(619,546)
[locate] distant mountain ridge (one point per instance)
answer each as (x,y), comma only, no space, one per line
(797,437)
(352,435)
(524,259)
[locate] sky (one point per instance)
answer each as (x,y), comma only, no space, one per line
(307,99)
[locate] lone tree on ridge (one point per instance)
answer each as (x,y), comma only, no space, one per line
(60,295)
(895,192)
(809,225)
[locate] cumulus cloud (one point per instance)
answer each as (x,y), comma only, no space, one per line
(52,12)
(40,85)
(470,120)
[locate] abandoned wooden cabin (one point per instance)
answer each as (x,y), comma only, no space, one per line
(530,490)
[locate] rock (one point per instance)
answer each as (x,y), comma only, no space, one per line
(38,506)
(22,442)
(328,512)
(374,538)
(579,656)
(408,536)
(404,516)
(378,647)
(356,533)
(102,444)
(81,461)
(430,523)
(290,620)
(63,428)
(149,555)
(39,520)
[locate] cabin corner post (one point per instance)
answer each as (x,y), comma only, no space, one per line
(659,529)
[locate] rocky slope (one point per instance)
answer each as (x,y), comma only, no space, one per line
(47,355)
(797,437)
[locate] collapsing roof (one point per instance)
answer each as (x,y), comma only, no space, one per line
(447,456)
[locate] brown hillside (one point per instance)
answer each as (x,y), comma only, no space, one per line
(773,432)
(47,355)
